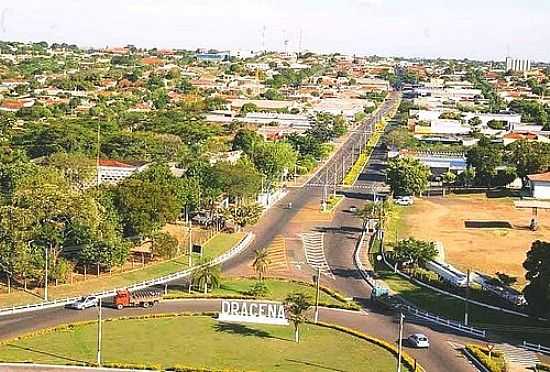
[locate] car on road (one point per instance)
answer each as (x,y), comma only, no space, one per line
(353,209)
(84,303)
(419,340)
(404,200)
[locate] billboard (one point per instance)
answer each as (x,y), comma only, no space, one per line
(253,312)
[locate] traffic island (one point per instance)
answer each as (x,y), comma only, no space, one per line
(178,341)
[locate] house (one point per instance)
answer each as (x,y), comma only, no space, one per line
(512,137)
(14,105)
(540,185)
(113,171)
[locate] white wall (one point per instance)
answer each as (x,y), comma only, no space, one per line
(541,190)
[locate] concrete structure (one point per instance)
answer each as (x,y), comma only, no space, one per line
(518,65)
(540,185)
(214,56)
(112,171)
(346,107)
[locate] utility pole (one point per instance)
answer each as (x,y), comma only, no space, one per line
(97,155)
(400,350)
(189,238)
(467,298)
(46,274)
(317,294)
(99,331)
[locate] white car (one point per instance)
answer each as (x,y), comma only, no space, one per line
(404,200)
(84,303)
(353,209)
(419,340)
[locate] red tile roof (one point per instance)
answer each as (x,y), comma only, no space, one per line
(114,163)
(545,177)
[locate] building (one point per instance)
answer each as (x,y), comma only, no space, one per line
(540,185)
(112,171)
(518,65)
(214,57)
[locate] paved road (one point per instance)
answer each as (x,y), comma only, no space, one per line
(340,237)
(378,325)
(276,219)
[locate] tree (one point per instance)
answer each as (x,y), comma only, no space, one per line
(468,176)
(528,158)
(485,157)
(399,138)
(248,107)
(369,211)
(475,121)
(165,245)
(243,215)
(247,140)
(297,305)
(412,251)
(407,176)
(448,178)
(261,263)
(207,276)
(274,159)
(148,200)
(537,265)
(505,176)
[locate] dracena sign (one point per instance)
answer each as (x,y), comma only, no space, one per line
(253,312)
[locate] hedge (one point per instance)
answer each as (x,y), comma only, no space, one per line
(406,359)
(494,364)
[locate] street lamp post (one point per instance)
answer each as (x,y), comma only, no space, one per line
(466,320)
(400,350)
(46,274)
(99,332)
(318,279)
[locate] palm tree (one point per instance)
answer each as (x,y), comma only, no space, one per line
(261,263)
(207,276)
(297,304)
(367,212)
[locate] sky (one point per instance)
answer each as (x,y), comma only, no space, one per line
(474,29)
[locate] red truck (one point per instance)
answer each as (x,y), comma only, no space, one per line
(144,298)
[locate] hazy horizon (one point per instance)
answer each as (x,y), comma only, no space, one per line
(488,30)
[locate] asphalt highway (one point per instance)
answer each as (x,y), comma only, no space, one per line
(340,238)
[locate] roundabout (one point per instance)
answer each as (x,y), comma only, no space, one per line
(201,342)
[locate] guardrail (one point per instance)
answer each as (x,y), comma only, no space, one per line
(359,263)
(238,248)
(535,347)
(444,322)
(446,293)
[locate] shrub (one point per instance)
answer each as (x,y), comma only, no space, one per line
(494,364)
(258,289)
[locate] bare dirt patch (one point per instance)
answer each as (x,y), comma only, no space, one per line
(486,249)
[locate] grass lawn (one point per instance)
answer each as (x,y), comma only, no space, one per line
(221,243)
(278,290)
(453,308)
(204,342)
(214,247)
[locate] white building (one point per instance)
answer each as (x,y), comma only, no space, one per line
(112,171)
(518,65)
(540,185)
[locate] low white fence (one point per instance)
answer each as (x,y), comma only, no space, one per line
(359,263)
(535,347)
(444,322)
(238,248)
(446,293)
